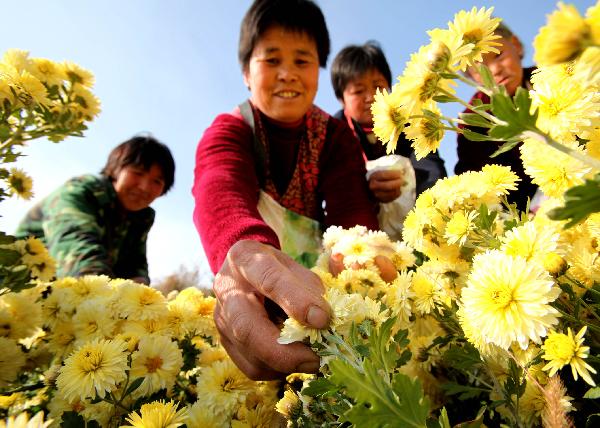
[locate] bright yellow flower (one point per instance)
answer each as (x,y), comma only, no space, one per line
(11,361)
(223,387)
(158,360)
(427,132)
(509,299)
(362,281)
(556,173)
(48,71)
(20,183)
(592,18)
(399,297)
(20,314)
(199,416)
(453,43)
(356,250)
(17,59)
(261,416)
(140,302)
(62,339)
(403,256)
(94,369)
(592,147)
(89,104)
(389,117)
(563,38)
(427,290)
(23,421)
(77,74)
(29,90)
(499,179)
(529,242)
(289,405)
(476,27)
(459,226)
(554,264)
(93,321)
(158,414)
(562,349)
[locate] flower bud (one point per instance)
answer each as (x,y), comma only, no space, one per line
(555,264)
(438,57)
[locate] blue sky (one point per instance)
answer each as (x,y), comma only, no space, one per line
(170,67)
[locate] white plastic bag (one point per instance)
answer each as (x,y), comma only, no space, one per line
(392,214)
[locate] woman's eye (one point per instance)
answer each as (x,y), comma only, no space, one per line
(272,61)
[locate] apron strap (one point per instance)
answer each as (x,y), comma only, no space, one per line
(259,149)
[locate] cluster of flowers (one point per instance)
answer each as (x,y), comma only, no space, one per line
(115,351)
(40,98)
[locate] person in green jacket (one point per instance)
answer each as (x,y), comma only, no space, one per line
(99,224)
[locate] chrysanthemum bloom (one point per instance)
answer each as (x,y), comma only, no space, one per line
(47,71)
(562,349)
(88,105)
(476,27)
(427,132)
(554,174)
(563,38)
(93,321)
(389,117)
(28,89)
(158,414)
(427,291)
(93,369)
(20,184)
(20,314)
(289,405)
(499,179)
(362,281)
(87,287)
(78,74)
(18,59)
(592,18)
(357,250)
(199,416)
(223,387)
(197,310)
(140,302)
(260,416)
(530,242)
(62,338)
(23,421)
(158,360)
(446,47)
(459,226)
(11,361)
(555,264)
(399,298)
(509,299)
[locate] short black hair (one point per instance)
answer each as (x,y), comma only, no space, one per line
(355,60)
(301,16)
(144,151)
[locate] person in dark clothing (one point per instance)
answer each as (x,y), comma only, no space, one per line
(356,73)
(507,71)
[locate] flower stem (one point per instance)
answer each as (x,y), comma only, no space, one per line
(471,82)
(485,114)
(542,136)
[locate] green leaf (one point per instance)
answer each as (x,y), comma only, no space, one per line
(134,385)
(580,202)
(9,257)
(474,136)
(505,148)
(486,76)
(443,420)
(474,119)
(412,399)
(464,392)
(319,386)
(593,393)
(444,99)
(463,357)
(448,75)
(6,239)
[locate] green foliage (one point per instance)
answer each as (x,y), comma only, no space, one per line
(514,116)
(580,202)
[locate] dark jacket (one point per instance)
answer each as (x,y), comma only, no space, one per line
(427,170)
(473,155)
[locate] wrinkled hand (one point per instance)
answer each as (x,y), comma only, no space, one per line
(252,272)
(386,185)
(387,270)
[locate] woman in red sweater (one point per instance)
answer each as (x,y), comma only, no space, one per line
(269,177)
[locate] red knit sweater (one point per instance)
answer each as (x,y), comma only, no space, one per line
(226,187)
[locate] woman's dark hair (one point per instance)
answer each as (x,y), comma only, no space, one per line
(353,61)
(143,151)
(301,16)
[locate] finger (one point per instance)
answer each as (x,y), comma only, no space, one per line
(386,185)
(297,290)
(244,325)
(387,270)
(387,196)
(336,264)
(390,174)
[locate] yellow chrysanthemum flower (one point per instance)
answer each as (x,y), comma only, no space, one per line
(357,250)
(509,299)
(199,416)
(427,291)
(459,226)
(11,361)
(592,18)
(29,90)
(261,416)
(89,104)
(94,369)
(77,74)
(18,59)
(399,297)
(140,302)
(592,147)
(403,256)
(20,184)
(553,174)
(62,339)
(529,242)
(426,131)
(562,349)
(47,71)
(93,321)
(23,421)
(289,405)
(223,387)
(563,38)
(389,117)
(362,281)
(475,27)
(499,179)
(453,42)
(158,360)
(158,414)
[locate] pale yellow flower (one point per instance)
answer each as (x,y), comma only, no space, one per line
(20,183)
(509,299)
(399,297)
(427,290)
(592,18)
(403,256)
(29,90)
(389,117)
(11,361)
(197,311)
(158,360)
(62,338)
(476,28)
(362,281)
(200,416)
(23,421)
(499,179)
(93,321)
(47,71)
(20,314)
(261,416)
(427,132)
(454,44)
(562,349)
(89,104)
(529,242)
(459,226)
(592,147)
(356,250)
(77,74)
(553,174)
(563,38)
(289,405)
(157,414)
(18,59)
(140,302)
(95,368)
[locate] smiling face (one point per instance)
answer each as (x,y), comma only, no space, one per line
(506,66)
(359,94)
(138,187)
(283,74)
